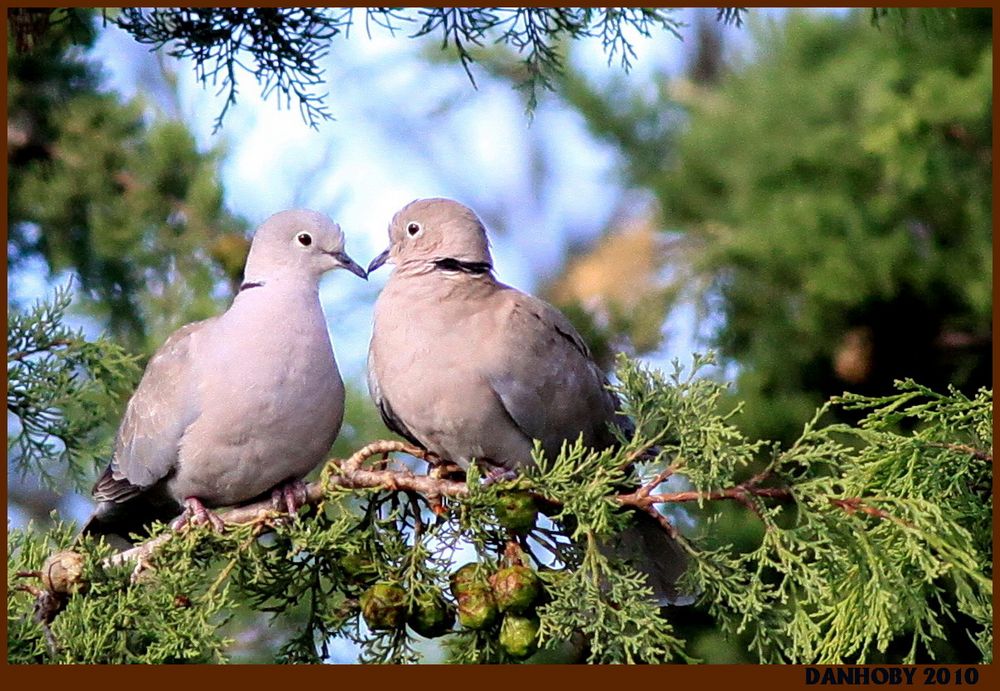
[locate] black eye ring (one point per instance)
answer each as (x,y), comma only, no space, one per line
(413,229)
(305,239)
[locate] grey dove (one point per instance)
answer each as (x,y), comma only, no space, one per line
(238,405)
(475,370)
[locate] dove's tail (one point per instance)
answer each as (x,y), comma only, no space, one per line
(646,545)
(112,533)
(119,523)
(651,551)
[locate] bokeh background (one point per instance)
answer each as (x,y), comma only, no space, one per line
(807,193)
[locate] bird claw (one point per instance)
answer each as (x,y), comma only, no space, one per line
(431,458)
(290,497)
(195,513)
(498,474)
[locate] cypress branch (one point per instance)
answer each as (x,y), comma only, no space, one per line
(868,536)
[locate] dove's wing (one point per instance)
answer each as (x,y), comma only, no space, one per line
(163,406)
(542,372)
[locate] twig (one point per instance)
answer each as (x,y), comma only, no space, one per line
(418,523)
(660,478)
(743,493)
(552,548)
(761,476)
(645,448)
(54,343)
(47,607)
(853,504)
(738,493)
(964,448)
(383,448)
(662,520)
(228,569)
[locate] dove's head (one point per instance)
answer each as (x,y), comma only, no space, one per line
(437,232)
(297,243)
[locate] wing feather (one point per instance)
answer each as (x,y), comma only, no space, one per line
(162,408)
(545,377)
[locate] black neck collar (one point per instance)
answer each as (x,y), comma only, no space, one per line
(451,264)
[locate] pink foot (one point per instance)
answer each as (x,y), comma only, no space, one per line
(290,496)
(195,513)
(498,474)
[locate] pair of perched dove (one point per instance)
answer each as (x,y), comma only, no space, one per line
(470,369)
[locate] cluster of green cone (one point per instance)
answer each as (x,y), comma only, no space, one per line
(511,593)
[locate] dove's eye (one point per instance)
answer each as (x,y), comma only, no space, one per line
(413,229)
(305,239)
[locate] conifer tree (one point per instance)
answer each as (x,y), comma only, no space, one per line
(833,195)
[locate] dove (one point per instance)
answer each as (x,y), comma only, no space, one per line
(474,370)
(239,405)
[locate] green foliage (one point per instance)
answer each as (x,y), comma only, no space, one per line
(63,390)
(285,47)
(834,192)
(698,441)
(947,469)
(871,536)
(871,214)
(610,605)
(171,615)
(902,17)
(581,481)
(887,539)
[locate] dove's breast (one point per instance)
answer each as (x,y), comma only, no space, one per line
(427,354)
(275,407)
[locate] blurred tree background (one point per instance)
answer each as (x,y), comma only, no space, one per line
(834,195)
(123,200)
(815,200)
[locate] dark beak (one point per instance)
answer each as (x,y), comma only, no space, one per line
(379,260)
(349,264)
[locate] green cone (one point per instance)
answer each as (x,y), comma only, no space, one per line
(519,635)
(358,569)
(430,616)
(515,588)
(463,576)
(384,606)
(476,607)
(517,511)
